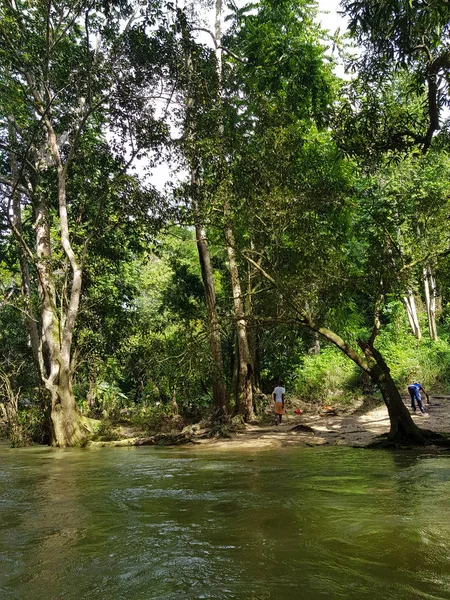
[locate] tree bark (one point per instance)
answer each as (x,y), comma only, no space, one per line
(66,427)
(30,318)
(58,323)
(220,396)
(402,427)
(219,390)
(430,300)
(410,304)
(244,399)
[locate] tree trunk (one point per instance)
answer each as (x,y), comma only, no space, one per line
(410,304)
(67,429)
(66,424)
(174,402)
(220,396)
(403,429)
(58,326)
(314,350)
(244,398)
(57,322)
(430,299)
(219,390)
(252,335)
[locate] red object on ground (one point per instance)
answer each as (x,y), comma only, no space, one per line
(297,411)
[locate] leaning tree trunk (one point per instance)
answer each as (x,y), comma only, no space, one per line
(402,427)
(411,310)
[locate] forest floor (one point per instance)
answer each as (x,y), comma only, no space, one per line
(355,427)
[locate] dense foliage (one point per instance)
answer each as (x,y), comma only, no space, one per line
(321,206)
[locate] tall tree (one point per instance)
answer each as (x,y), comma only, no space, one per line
(193,154)
(55,90)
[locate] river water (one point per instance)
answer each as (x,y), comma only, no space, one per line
(303,523)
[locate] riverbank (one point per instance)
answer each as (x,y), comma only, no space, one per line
(356,427)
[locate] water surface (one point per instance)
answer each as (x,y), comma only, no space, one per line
(303,523)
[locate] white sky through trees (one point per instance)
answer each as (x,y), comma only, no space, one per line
(330,20)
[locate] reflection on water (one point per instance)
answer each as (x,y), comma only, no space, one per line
(304,523)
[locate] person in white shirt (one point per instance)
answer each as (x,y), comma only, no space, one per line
(278,397)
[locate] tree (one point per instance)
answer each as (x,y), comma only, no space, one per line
(405,35)
(55,90)
(331,269)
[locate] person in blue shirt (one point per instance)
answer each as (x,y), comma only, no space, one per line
(414,391)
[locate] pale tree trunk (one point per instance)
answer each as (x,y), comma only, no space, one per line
(174,401)
(314,350)
(9,412)
(411,310)
(430,299)
(58,324)
(65,416)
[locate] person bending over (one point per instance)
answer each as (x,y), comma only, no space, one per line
(414,391)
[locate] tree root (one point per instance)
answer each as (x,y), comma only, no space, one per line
(401,442)
(161,439)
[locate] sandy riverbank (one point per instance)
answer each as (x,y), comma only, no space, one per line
(357,428)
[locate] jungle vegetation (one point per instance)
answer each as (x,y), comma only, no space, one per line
(303,234)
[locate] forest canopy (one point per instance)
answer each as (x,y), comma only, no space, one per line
(303,234)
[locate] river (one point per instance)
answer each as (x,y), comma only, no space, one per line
(300,523)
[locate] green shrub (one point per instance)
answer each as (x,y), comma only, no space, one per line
(109,400)
(412,360)
(157,417)
(325,377)
(105,432)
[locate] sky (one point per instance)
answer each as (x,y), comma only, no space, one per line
(332,20)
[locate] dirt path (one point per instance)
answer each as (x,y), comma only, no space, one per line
(355,429)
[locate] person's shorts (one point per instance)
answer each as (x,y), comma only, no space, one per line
(279,408)
(414,392)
